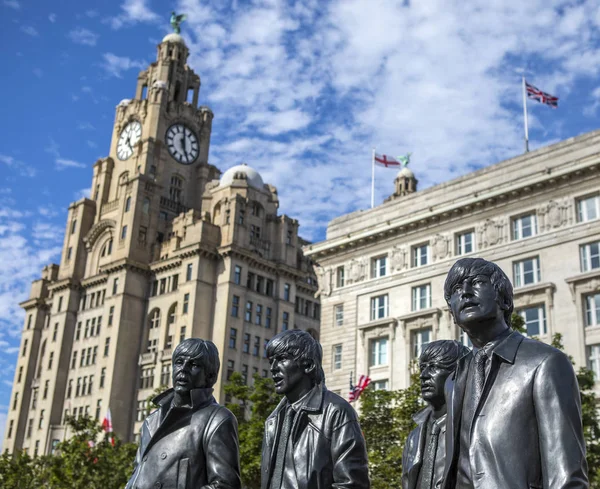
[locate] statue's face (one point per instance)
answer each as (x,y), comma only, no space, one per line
(288,374)
(433,377)
(474,300)
(188,374)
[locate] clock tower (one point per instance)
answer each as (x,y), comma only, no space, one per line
(164,249)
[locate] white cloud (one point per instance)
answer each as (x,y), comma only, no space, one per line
(52,18)
(44,231)
(91,144)
(62,164)
(85,126)
(435,78)
(21,168)
(114,65)
(12,4)
(83,193)
(30,30)
(81,35)
(133,11)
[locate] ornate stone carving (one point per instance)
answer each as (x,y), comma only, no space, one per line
(491,232)
(398,258)
(323,280)
(440,247)
(357,270)
(552,215)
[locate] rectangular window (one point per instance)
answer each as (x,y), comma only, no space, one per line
(379,266)
(78,331)
(115,287)
(380,385)
(246,346)
(74,359)
(265,344)
(420,255)
(588,209)
(232,337)
(378,352)
(50,359)
(590,256)
(124,232)
(337,357)
(235,306)
(421,297)
(256,346)
(186,303)
(106,347)
(182,333)
(20,375)
(69,253)
(165,374)
(339,314)
(269,287)
(10,429)
(594,360)
(102,377)
(245,374)
(420,339)
(524,226)
(526,272)
(254,231)
(230,368)
(60,300)
(188,272)
(464,242)
(340,277)
(241,216)
(592,310)
(258,316)
(379,307)
(268,318)
(260,281)
(250,280)
(286,292)
(70,388)
(535,320)
(248,313)
(73,225)
(24,352)
(285,323)
(237,275)
(55,332)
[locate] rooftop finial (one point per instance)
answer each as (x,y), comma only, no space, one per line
(405,160)
(176,21)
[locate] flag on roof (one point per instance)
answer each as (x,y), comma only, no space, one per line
(356,390)
(542,97)
(108,427)
(387,161)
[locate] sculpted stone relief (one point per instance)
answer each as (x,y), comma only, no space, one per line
(398,258)
(324,276)
(440,247)
(554,214)
(492,232)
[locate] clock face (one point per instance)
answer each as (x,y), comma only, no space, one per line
(182,144)
(128,139)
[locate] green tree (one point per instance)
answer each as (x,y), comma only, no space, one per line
(74,464)
(386,418)
(251,406)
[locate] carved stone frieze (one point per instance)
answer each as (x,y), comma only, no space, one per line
(324,276)
(492,232)
(553,215)
(440,247)
(357,270)
(398,258)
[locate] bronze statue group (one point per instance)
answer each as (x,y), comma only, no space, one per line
(504,415)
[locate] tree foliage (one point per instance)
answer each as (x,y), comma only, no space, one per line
(251,406)
(74,463)
(386,421)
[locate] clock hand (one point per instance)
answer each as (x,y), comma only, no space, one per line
(183,143)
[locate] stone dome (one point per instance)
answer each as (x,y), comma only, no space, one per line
(406,173)
(242,172)
(172,37)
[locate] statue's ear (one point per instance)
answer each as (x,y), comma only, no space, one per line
(309,367)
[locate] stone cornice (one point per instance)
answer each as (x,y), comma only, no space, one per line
(33,303)
(165,265)
(446,212)
(584,283)
(94,280)
(124,263)
(66,283)
(261,263)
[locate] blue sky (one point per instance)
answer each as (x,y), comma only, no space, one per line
(302,91)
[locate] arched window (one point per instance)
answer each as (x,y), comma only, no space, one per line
(146,206)
(175,189)
(127,204)
(106,249)
(123,179)
(172,316)
(155,318)
(171,319)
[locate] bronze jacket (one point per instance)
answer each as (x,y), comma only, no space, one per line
(191,448)
(327,446)
(412,456)
(527,431)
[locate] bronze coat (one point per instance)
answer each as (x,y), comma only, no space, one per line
(412,456)
(328,449)
(527,431)
(193,448)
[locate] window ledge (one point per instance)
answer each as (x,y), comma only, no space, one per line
(584,283)
(539,287)
(422,313)
(377,322)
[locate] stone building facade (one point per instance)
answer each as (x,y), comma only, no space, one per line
(382,270)
(166,248)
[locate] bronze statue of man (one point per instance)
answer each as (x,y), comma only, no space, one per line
(312,439)
(514,409)
(423,459)
(189,441)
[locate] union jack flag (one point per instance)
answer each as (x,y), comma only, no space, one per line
(356,390)
(542,97)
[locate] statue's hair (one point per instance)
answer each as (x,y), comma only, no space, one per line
(469,267)
(444,353)
(301,346)
(203,350)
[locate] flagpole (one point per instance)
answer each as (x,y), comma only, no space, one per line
(373,179)
(525,116)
